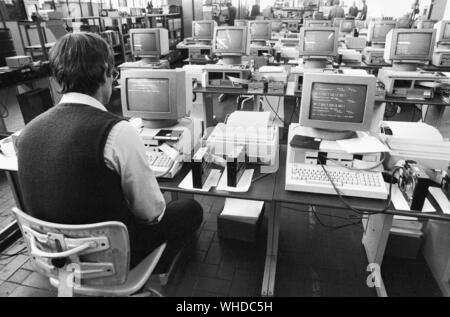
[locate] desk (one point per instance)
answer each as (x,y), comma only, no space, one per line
(270,189)
(376,230)
(261,190)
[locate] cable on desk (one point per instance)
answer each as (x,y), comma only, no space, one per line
(356,210)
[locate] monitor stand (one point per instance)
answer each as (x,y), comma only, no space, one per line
(329,135)
(159,124)
(378,45)
(405,66)
(259,42)
(315,63)
(232,60)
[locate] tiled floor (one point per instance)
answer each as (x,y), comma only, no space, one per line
(313,260)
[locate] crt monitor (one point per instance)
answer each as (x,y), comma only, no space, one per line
(378,31)
(319,42)
(308,23)
(149,42)
(231,40)
(347,26)
(158,96)
(409,45)
(203,30)
(260,30)
(333,103)
(442,31)
(276,25)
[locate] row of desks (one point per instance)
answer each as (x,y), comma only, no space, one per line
(271,190)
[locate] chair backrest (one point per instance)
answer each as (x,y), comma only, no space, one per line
(99,254)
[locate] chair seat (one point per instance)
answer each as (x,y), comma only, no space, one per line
(136,279)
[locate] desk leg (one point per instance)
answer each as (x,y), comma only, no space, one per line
(271,251)
(208,110)
(374,240)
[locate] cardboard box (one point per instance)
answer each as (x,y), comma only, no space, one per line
(238,230)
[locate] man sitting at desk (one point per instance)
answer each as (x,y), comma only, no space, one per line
(79,164)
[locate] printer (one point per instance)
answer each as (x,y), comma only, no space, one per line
(252,130)
(415,141)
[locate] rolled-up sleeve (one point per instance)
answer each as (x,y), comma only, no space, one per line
(125,153)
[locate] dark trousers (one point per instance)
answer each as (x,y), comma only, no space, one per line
(177,227)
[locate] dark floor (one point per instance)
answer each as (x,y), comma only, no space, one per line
(312,261)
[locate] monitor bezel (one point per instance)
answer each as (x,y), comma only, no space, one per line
(212,25)
(169,74)
(318,53)
(391,45)
(157,52)
(245,41)
(257,38)
(310,78)
(372,25)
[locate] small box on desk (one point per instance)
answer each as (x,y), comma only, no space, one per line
(230,225)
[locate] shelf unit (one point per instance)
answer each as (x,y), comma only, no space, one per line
(37,51)
(172,22)
(122,51)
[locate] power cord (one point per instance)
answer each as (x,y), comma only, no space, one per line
(356,210)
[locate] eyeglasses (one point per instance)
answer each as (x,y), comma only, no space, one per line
(115,74)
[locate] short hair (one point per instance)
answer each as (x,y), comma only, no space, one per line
(79,62)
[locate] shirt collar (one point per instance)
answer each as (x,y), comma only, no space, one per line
(75,97)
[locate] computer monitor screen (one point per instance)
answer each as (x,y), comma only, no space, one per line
(339,102)
(379,30)
(141,90)
(203,30)
(347,26)
(260,30)
(231,40)
(149,42)
(153,94)
(318,42)
(446,36)
(413,44)
(406,44)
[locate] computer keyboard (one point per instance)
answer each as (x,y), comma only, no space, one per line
(312,179)
(159,162)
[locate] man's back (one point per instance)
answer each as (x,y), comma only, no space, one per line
(62,172)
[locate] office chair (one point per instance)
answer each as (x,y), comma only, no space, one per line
(88,260)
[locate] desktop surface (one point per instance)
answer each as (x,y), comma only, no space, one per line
(262,189)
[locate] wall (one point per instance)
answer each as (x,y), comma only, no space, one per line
(439,9)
